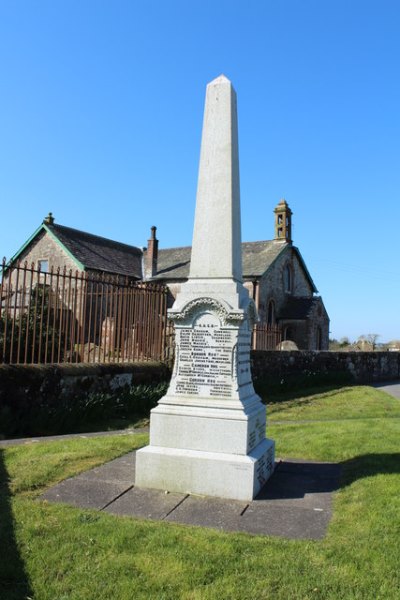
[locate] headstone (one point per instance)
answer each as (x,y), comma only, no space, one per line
(207,435)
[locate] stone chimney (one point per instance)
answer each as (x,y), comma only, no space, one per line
(283,222)
(49,220)
(150,265)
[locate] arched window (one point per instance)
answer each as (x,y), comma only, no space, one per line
(318,339)
(271,313)
(288,279)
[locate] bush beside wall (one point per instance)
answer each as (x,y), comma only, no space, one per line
(48,399)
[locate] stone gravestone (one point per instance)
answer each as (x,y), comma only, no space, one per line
(207,434)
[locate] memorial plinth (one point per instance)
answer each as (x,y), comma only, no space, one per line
(207,435)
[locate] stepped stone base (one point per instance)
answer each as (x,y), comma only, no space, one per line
(239,477)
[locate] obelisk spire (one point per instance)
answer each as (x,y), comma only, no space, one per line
(207,434)
(216,248)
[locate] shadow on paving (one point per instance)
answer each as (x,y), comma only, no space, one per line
(14,581)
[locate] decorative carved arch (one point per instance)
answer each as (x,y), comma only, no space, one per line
(220,308)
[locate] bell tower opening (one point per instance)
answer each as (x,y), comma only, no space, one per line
(283,222)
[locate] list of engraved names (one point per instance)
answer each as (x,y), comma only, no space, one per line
(205,361)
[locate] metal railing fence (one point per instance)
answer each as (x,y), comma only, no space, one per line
(266,337)
(62,316)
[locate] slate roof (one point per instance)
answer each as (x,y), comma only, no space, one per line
(93,252)
(259,256)
(90,252)
(98,253)
(297,308)
(174,263)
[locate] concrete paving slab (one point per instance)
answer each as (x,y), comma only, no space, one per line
(217,513)
(146,504)
(263,518)
(85,493)
(120,470)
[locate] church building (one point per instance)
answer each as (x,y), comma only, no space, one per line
(274,272)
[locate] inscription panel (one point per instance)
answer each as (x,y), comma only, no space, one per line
(265,466)
(206,359)
(256,431)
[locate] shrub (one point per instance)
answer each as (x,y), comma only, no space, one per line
(80,411)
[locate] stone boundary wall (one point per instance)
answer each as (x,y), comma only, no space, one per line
(32,384)
(364,367)
(26,385)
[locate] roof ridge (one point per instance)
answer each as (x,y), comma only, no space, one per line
(258,242)
(185,247)
(174,248)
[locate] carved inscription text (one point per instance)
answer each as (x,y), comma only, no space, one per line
(206,359)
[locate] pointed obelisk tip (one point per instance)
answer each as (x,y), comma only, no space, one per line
(220,79)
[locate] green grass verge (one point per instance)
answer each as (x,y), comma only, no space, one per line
(340,403)
(57,552)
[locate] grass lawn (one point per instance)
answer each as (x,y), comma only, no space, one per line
(56,552)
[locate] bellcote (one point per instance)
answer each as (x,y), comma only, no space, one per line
(283,222)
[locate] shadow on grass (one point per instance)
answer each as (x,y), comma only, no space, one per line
(14,581)
(369,465)
(275,397)
(294,479)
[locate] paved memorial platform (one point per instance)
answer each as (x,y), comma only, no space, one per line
(295,503)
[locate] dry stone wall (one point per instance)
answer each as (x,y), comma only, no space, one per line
(362,367)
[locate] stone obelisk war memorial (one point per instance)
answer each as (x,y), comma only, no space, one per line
(207,434)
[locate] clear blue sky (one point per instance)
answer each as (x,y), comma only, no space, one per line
(101,106)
